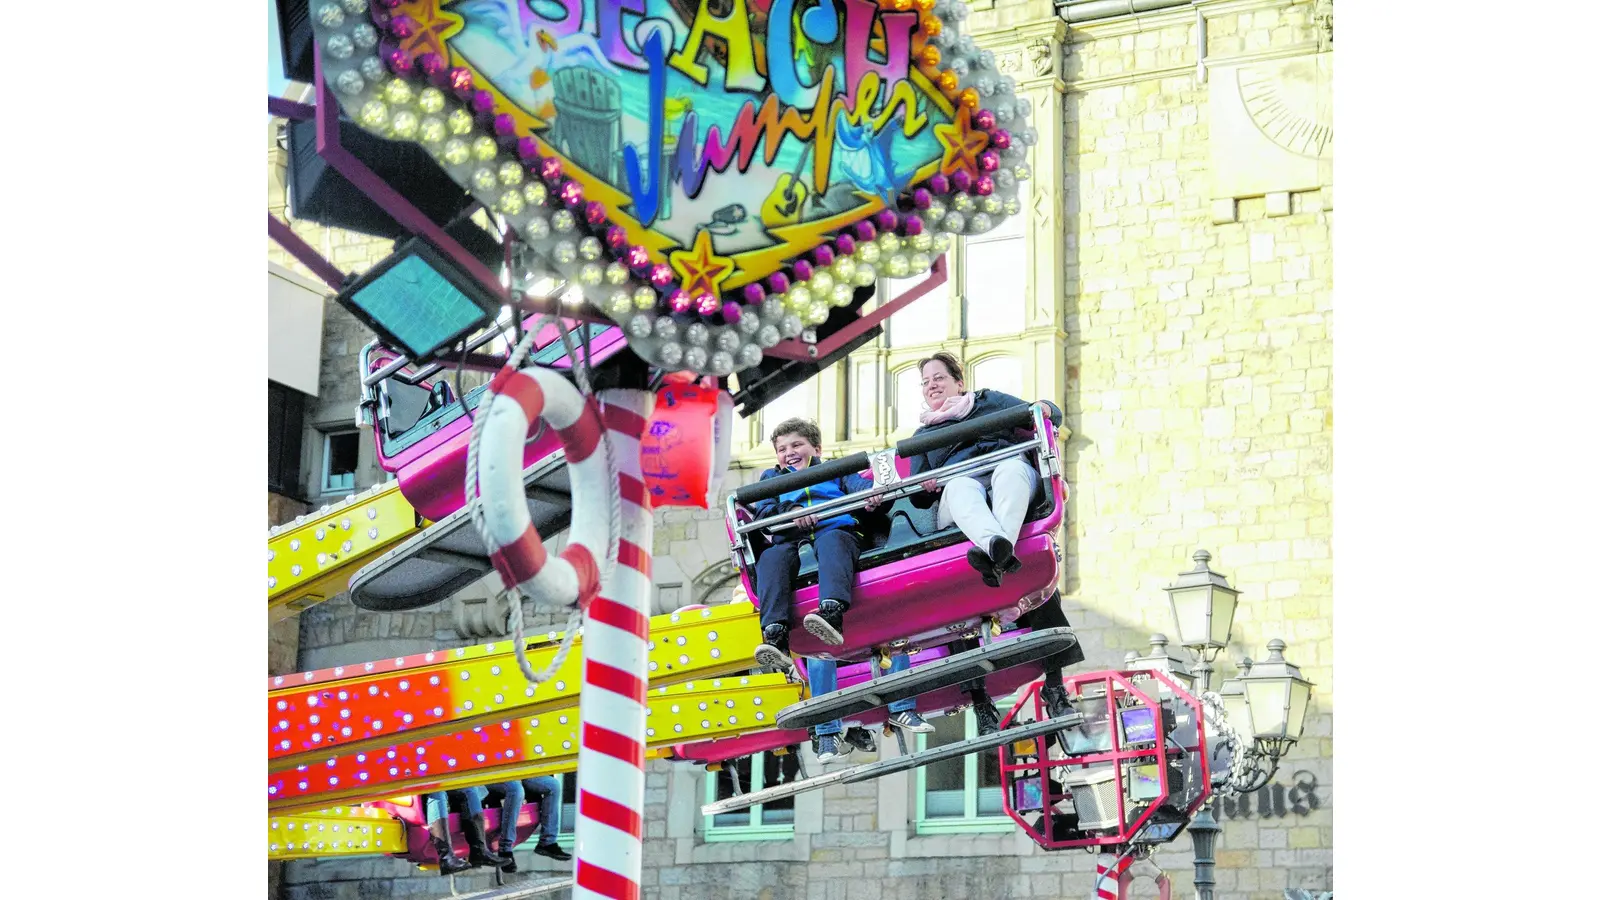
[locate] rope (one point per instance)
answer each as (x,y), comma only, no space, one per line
(513,597)
(1241,764)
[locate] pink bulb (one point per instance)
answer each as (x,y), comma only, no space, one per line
(802,270)
(399,61)
(823,255)
(504,125)
(660,275)
(921,198)
(984,185)
(707,304)
(391,4)
(846,244)
(913,226)
(753,294)
(616,238)
(731,313)
(778,283)
(865,231)
(636,257)
(886,220)
(433,65)
(678,301)
(961,180)
(939,184)
(989,161)
(402,26)
(984,119)
(550,169)
(482,102)
(570,192)
(595,213)
(1000,139)
(461,81)
(528,150)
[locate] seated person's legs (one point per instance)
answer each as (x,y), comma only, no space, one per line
(823,675)
(510,811)
(983,707)
(436,810)
(1044,616)
(903,713)
(965,503)
(775,574)
(546,791)
(1011,490)
(472,827)
(838,550)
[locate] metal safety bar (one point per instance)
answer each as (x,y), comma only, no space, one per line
(851,502)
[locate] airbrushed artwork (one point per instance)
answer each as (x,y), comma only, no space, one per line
(714,175)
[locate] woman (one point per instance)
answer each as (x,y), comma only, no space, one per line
(988,508)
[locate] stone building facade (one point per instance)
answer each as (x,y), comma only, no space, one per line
(1177,304)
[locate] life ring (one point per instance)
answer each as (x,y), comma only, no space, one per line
(517,400)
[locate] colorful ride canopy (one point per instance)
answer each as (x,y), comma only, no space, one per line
(714,175)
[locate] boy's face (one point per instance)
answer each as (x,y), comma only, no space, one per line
(794,451)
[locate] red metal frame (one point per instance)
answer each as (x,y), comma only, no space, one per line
(1117,685)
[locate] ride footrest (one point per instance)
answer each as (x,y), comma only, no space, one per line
(518,890)
(869,771)
(952,670)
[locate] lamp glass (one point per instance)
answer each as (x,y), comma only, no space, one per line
(1189,608)
(1223,604)
(1237,706)
(1269,705)
(1299,699)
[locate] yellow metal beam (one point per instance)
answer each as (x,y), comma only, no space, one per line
(531,745)
(370,706)
(313,557)
(341,831)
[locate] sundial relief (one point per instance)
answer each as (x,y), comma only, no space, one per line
(1272,128)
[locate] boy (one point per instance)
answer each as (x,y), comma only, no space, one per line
(836,541)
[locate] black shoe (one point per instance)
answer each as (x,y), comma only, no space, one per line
(861,739)
(552,850)
(827,623)
(1054,695)
(909,721)
(980,561)
(988,717)
(449,862)
(773,651)
(478,852)
(1004,558)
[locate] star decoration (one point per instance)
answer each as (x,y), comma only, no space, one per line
(437,26)
(700,268)
(962,144)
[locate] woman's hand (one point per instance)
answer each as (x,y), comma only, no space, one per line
(931,486)
(873,502)
(806,522)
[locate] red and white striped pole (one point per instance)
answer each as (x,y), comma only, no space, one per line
(1108,869)
(616,629)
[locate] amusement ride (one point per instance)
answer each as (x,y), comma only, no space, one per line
(636,293)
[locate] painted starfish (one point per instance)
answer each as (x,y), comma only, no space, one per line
(962,143)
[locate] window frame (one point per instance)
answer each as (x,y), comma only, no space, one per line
(324,488)
(970,822)
(712,833)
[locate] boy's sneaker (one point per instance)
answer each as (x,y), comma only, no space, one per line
(988,717)
(861,739)
(1054,694)
(827,623)
(773,651)
(911,722)
(552,850)
(828,747)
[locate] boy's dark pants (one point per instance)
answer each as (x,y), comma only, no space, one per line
(837,550)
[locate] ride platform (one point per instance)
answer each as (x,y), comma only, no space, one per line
(310,559)
(933,676)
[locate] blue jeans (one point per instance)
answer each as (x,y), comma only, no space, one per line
(544,790)
(824,677)
(837,551)
(436,806)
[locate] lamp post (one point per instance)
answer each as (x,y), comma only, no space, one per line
(1203,604)
(1277,696)
(1203,832)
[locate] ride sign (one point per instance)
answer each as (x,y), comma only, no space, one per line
(714,177)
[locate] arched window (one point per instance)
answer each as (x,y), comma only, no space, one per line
(1000,373)
(907,398)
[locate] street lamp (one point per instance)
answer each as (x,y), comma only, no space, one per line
(1234,703)
(1162,661)
(1203,831)
(1277,695)
(1203,604)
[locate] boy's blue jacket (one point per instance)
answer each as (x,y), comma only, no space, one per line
(811,496)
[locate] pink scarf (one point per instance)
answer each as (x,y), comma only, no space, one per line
(953,409)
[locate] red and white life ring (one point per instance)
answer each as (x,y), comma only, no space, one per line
(517,401)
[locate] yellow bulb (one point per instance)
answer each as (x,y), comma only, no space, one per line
(931,26)
(431,131)
(373,114)
(430,100)
(509,204)
(510,174)
(460,121)
(398,92)
(483,178)
(484,149)
(404,125)
(535,193)
(455,151)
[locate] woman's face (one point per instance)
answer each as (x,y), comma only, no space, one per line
(938,384)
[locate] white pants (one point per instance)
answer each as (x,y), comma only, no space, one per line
(965,502)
